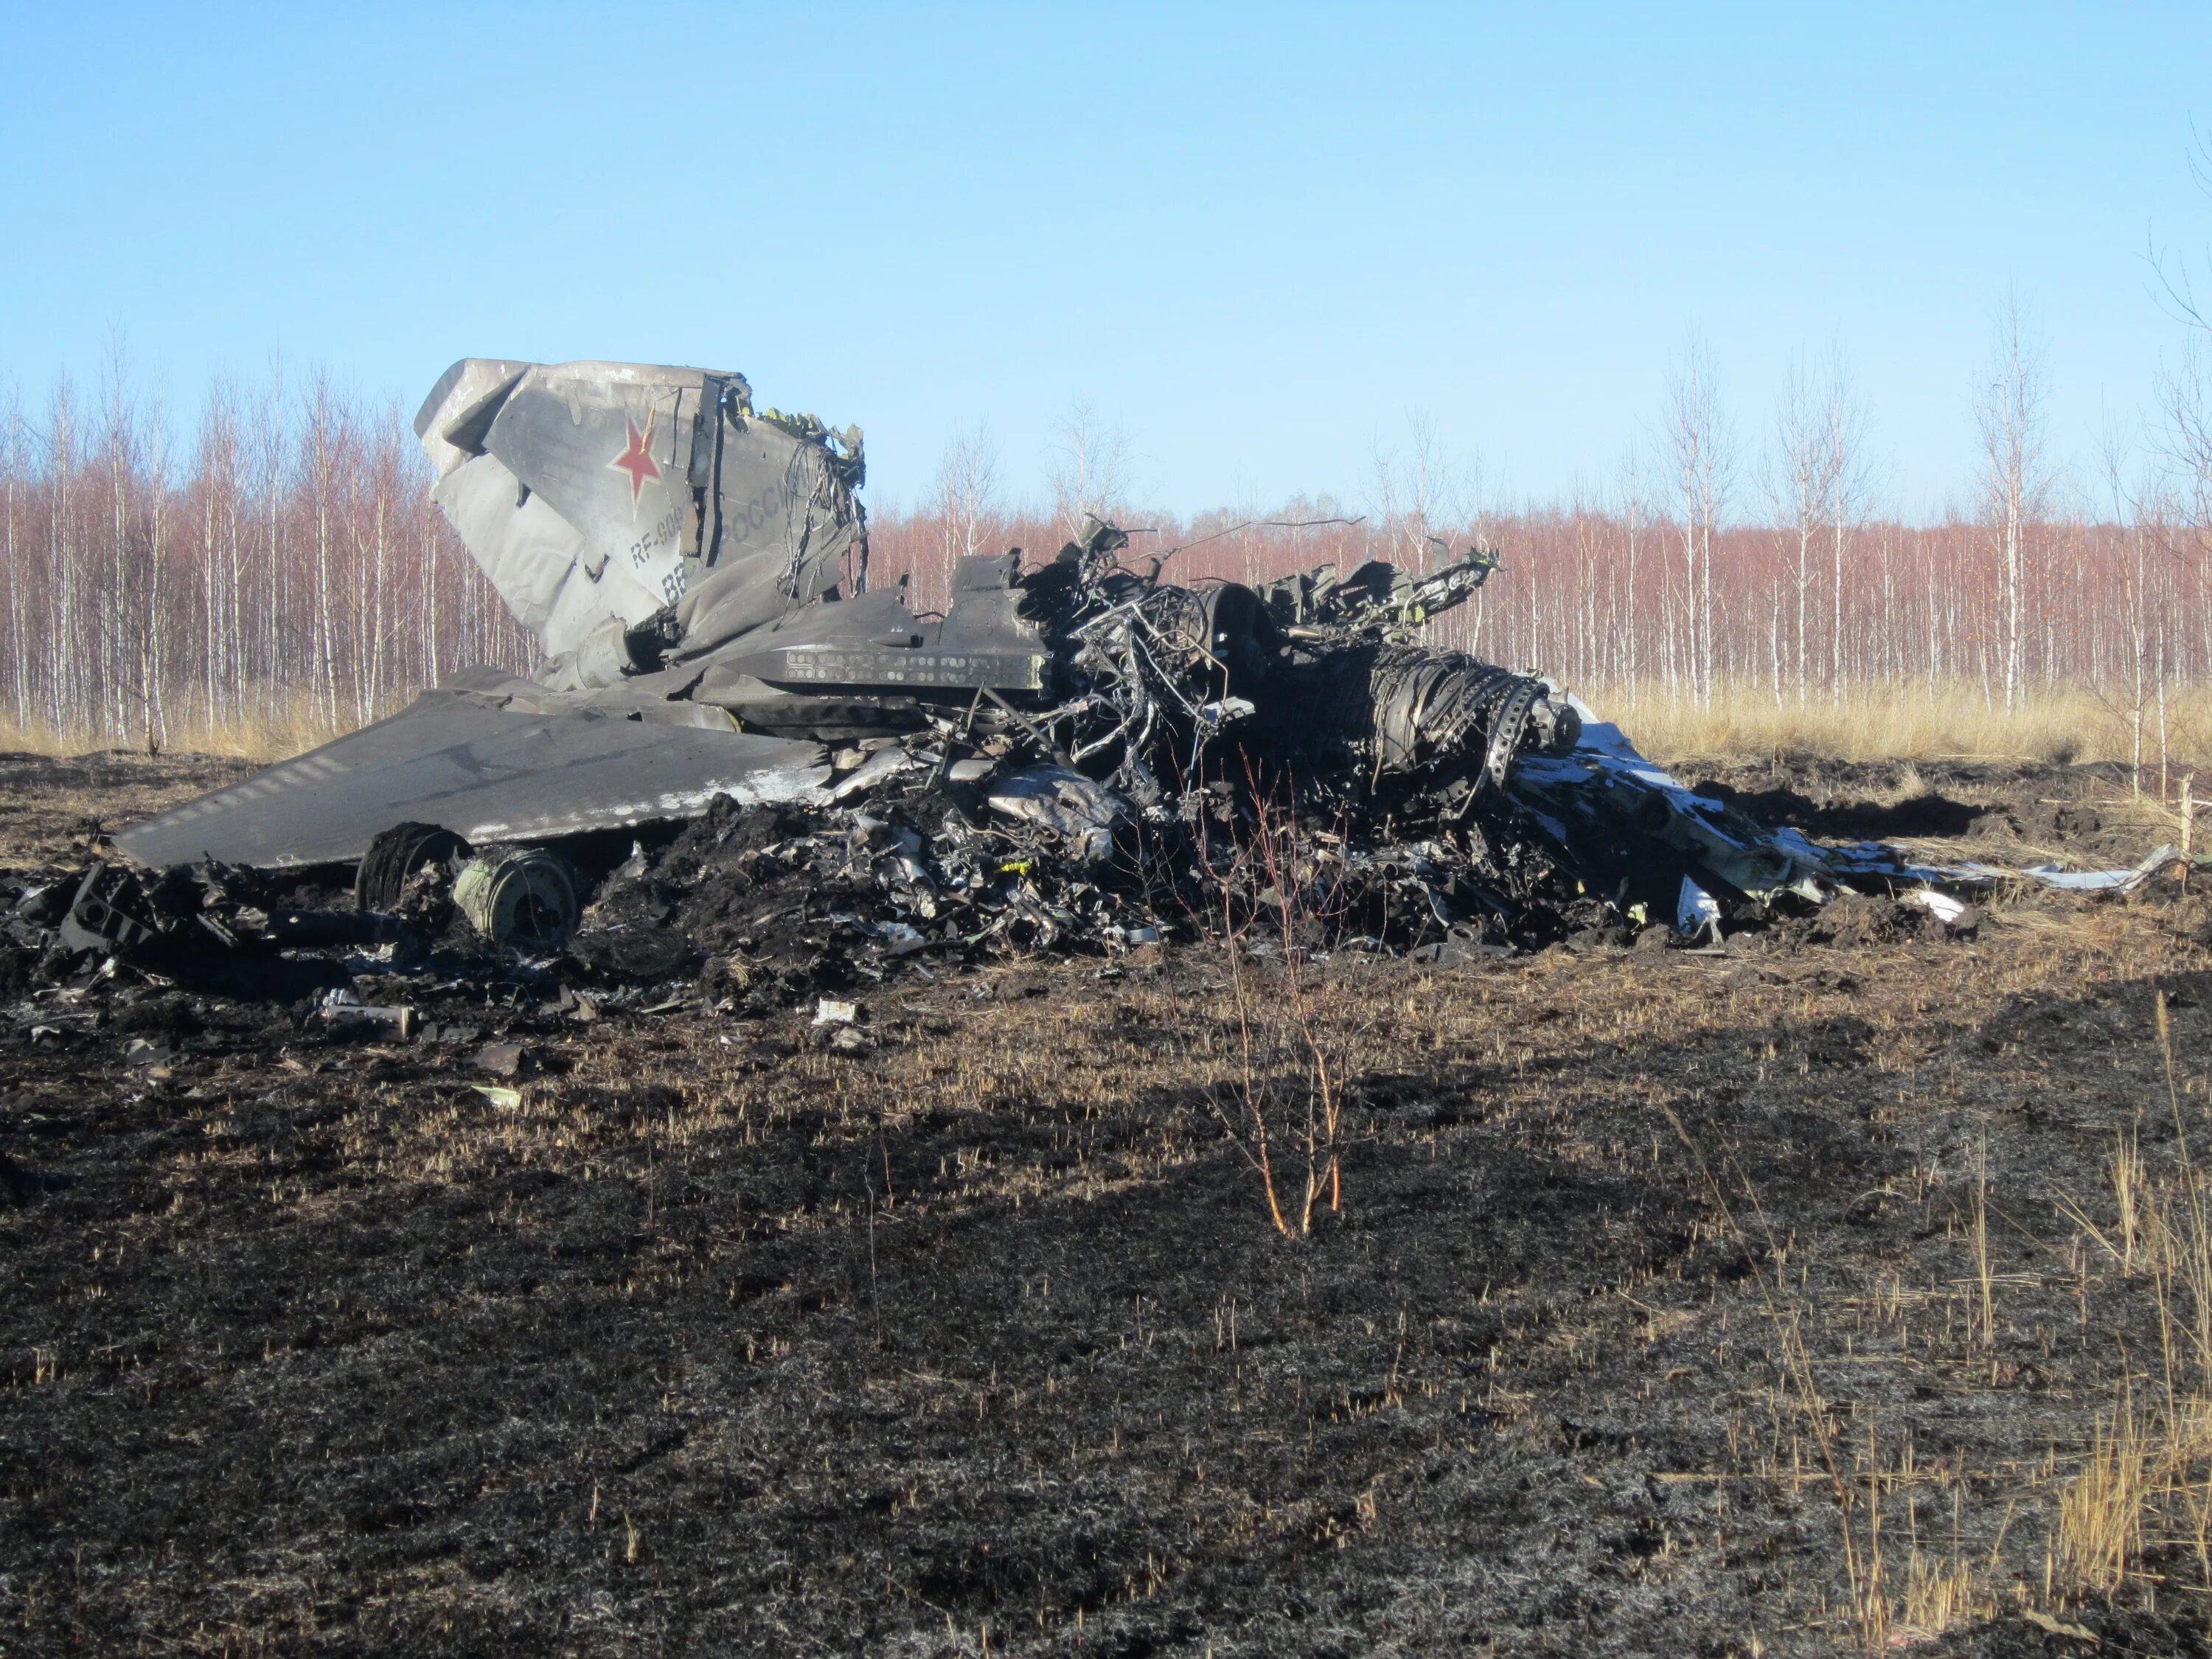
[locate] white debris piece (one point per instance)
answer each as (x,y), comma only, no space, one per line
(2105,881)
(1946,909)
(1697,911)
(878,767)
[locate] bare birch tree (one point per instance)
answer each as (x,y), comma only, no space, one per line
(1089,471)
(1843,425)
(1422,495)
(2011,417)
(11,495)
(118,446)
(151,622)
(2187,394)
(220,554)
(272,456)
(1703,461)
(1634,508)
(1798,487)
(65,682)
(323,440)
(966,498)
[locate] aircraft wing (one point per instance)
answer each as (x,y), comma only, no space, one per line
(489,774)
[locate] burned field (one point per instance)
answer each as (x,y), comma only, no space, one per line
(1833,1288)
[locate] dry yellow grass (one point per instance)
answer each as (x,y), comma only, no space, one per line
(276,731)
(1906,720)
(1896,721)
(2148,1478)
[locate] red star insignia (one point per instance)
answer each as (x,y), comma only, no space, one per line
(635,461)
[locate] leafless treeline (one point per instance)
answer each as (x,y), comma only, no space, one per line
(1604,595)
(281,560)
(1712,561)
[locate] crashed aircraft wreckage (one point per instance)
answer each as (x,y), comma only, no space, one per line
(1076,748)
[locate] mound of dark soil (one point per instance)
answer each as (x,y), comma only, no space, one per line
(1921,816)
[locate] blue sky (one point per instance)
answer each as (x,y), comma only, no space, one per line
(1259,239)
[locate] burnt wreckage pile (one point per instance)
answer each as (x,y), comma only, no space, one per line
(742,767)
(1189,728)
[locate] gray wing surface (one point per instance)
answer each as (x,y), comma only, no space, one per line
(487,774)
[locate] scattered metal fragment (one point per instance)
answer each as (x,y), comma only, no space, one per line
(499,1059)
(341,1008)
(1078,811)
(524,898)
(2106,881)
(1697,913)
(107,912)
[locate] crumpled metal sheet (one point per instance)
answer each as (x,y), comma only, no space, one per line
(1618,812)
(2105,881)
(1073,807)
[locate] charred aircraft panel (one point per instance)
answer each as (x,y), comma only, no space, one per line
(487,773)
